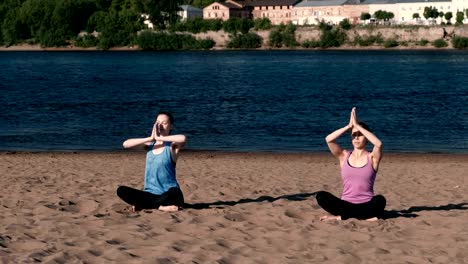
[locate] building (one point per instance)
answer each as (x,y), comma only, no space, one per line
(277,11)
(334,11)
(189,12)
(226,10)
(311,12)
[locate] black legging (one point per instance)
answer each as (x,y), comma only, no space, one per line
(146,200)
(336,206)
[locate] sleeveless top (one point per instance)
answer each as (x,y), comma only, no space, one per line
(160,171)
(358,182)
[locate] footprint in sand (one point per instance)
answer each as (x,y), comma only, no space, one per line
(87,206)
(94,252)
(68,206)
(235,217)
(293,214)
(4,241)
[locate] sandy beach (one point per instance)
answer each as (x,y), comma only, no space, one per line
(241,208)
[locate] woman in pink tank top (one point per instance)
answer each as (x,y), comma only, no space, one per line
(358,171)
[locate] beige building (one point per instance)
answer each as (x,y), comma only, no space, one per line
(277,11)
(406,10)
(334,11)
(311,12)
(225,10)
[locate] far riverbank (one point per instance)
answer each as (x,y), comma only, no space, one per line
(408,38)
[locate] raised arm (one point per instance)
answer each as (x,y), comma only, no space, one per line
(140,143)
(336,149)
(376,153)
(137,142)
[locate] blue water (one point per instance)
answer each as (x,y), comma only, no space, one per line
(415,101)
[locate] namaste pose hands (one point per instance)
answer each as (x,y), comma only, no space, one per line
(353,119)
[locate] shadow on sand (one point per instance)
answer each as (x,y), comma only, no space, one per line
(218,204)
(388,214)
(410,212)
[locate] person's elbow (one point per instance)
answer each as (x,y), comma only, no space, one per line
(378,144)
(328,139)
(126,144)
(183,139)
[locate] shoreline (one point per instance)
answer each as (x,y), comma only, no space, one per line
(217,48)
(225,152)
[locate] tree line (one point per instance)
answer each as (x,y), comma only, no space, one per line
(54,22)
(111,23)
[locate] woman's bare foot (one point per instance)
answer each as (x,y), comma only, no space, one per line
(330,218)
(168,208)
(373,219)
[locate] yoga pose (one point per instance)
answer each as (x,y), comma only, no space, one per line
(358,171)
(161,190)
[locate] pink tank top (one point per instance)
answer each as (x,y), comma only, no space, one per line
(358,182)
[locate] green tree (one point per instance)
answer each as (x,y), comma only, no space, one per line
(365,16)
(460,42)
(345,24)
(262,23)
(331,37)
(440,43)
(383,15)
(118,28)
(430,12)
(283,35)
(162,13)
(459,18)
(37,16)
(275,39)
(235,24)
(12,29)
(245,41)
(96,21)
(448,16)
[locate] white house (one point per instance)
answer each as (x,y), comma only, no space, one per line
(310,12)
(189,12)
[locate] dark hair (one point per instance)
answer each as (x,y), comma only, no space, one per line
(168,114)
(364,125)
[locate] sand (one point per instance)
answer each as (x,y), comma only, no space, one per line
(242,208)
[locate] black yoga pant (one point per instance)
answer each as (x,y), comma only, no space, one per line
(336,206)
(146,200)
